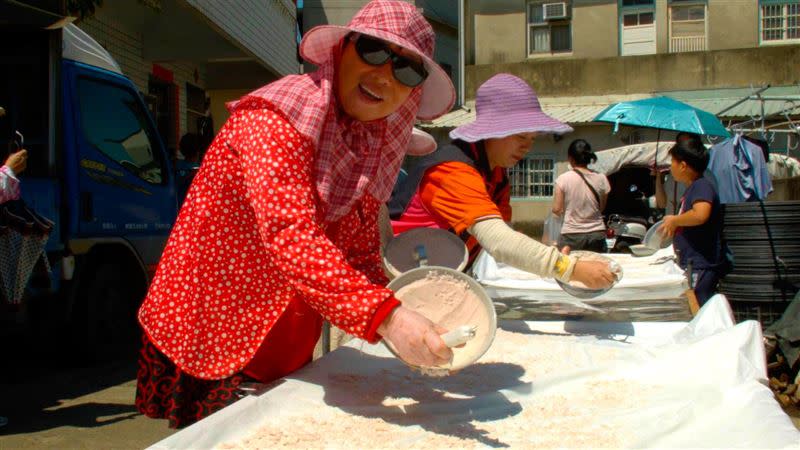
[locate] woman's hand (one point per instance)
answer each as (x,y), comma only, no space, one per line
(669,226)
(18,161)
(416,339)
(594,274)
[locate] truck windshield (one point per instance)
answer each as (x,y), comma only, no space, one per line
(115,123)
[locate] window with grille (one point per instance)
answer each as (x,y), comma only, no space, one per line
(780,22)
(688,20)
(549,27)
(532,177)
(687,28)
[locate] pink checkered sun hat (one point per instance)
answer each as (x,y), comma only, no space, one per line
(421,143)
(506,105)
(401,24)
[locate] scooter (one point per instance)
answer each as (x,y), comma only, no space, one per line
(629,226)
(624,231)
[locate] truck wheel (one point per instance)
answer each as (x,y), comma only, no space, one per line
(108,301)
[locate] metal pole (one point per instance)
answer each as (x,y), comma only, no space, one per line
(658,141)
(785,111)
(742,100)
(780,99)
(326,337)
(753,130)
(461,57)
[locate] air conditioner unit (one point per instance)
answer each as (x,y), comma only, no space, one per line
(555,10)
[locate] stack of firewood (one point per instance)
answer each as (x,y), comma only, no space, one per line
(782,375)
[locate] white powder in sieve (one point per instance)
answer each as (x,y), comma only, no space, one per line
(449,303)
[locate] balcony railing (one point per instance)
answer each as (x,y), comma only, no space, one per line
(687,44)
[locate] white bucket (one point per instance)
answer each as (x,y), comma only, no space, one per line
(441,248)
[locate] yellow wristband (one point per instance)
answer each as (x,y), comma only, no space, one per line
(562,264)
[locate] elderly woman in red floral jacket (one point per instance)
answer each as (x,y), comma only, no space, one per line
(279,229)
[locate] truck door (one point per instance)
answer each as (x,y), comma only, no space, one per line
(124,185)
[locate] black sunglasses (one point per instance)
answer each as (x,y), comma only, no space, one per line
(376,52)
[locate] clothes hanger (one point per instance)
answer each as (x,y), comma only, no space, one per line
(789,146)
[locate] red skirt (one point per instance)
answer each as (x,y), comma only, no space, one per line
(163,391)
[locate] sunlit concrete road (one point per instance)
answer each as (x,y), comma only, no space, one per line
(52,403)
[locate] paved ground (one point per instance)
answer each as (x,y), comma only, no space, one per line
(55,404)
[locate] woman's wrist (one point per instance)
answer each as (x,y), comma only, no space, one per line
(563,267)
(384,325)
(379,325)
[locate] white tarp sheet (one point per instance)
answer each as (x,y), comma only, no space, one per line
(643,155)
(542,385)
(782,166)
(636,155)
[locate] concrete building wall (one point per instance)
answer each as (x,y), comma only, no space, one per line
(489,8)
(650,73)
(218,99)
(732,24)
(595,29)
(497,31)
(662,27)
(500,38)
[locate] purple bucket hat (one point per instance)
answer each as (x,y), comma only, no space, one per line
(506,105)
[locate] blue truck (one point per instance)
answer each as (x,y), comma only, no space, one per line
(99,170)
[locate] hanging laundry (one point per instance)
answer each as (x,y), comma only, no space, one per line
(739,170)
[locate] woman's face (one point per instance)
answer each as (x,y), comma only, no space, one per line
(369,92)
(679,171)
(506,152)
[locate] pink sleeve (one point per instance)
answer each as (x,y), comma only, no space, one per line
(278,172)
(9,185)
